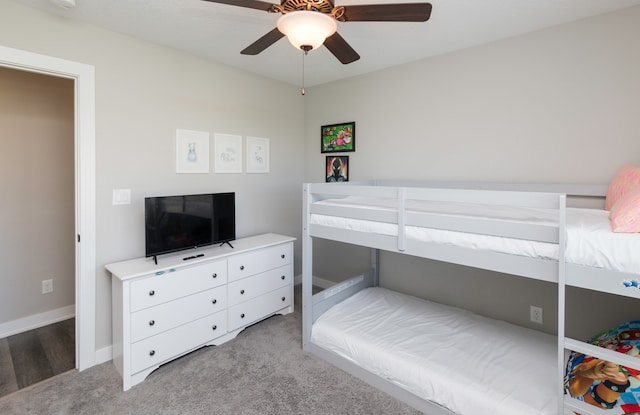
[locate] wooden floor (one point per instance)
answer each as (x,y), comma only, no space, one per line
(35,355)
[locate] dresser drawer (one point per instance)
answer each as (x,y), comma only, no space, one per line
(159,289)
(155,350)
(244,265)
(258,308)
(153,320)
(252,287)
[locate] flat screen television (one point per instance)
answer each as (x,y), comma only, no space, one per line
(175,223)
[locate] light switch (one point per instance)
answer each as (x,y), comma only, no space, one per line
(121,196)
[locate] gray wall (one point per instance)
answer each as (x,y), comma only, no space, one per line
(558,105)
(145,92)
(37,241)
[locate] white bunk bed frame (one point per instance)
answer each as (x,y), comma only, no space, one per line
(529,195)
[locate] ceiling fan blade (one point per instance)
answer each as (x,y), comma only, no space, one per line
(263,43)
(251,4)
(341,49)
(402,12)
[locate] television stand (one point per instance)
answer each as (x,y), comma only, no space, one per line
(228,243)
(161,312)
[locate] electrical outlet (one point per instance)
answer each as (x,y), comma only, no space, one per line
(47,286)
(536,314)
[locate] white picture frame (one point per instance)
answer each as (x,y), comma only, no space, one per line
(228,153)
(192,151)
(257,155)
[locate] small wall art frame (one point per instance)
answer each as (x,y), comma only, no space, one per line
(257,155)
(192,151)
(337,169)
(338,138)
(228,153)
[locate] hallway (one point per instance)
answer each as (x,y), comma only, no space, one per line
(35,355)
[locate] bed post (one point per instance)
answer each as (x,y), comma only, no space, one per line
(375,266)
(562,220)
(307,269)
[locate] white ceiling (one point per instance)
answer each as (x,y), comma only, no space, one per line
(218,32)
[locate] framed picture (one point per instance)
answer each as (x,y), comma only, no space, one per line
(192,151)
(228,153)
(337,138)
(257,155)
(337,169)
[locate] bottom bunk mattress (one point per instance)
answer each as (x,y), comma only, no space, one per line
(459,360)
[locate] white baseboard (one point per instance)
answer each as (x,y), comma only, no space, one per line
(104,355)
(37,320)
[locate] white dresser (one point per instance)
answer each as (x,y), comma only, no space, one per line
(163,311)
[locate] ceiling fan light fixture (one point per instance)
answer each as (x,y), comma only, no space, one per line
(306,28)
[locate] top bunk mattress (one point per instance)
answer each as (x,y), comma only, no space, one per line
(462,361)
(590,241)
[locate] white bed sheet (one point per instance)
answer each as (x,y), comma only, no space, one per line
(462,361)
(590,241)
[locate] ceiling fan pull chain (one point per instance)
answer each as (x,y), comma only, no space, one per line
(304,52)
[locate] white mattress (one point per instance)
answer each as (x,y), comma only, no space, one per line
(462,361)
(590,241)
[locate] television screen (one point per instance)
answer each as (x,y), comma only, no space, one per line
(174,223)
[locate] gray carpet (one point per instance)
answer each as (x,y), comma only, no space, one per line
(262,371)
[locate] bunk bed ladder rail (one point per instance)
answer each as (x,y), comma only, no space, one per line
(562,235)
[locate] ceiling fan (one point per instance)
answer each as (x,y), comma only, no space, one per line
(299,15)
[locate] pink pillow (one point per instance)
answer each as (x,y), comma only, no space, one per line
(625,179)
(625,214)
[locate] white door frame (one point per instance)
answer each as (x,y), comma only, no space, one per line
(85,200)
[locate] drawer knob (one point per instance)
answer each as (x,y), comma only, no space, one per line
(284,298)
(214,327)
(214,275)
(282,256)
(241,267)
(283,277)
(152,322)
(241,291)
(152,352)
(242,315)
(214,301)
(152,293)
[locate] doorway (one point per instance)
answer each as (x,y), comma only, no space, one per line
(84,185)
(37,301)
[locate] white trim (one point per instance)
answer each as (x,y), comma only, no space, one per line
(104,355)
(84,77)
(35,321)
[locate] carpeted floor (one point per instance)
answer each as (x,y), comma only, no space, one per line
(263,371)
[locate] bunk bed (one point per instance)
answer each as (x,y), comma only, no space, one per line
(403,345)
